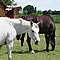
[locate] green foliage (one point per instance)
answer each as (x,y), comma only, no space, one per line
(49,11)
(25,12)
(33,14)
(39,49)
(38,13)
(29,9)
(7,2)
(20,14)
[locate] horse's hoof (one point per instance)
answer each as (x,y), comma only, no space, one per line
(32,52)
(0,47)
(22,49)
(52,49)
(47,50)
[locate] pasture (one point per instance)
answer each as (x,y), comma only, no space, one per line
(40,54)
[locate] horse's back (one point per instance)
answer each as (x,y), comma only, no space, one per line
(46,24)
(5,29)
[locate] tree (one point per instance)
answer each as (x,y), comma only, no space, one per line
(38,13)
(7,2)
(45,12)
(25,12)
(49,12)
(29,8)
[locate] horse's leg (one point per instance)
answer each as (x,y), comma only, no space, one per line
(10,46)
(47,42)
(29,44)
(22,41)
(0,46)
(18,37)
(53,40)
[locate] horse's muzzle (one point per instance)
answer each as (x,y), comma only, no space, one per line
(37,42)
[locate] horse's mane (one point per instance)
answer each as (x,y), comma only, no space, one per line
(16,21)
(24,22)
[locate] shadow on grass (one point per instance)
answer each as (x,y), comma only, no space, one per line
(36,51)
(27,52)
(19,52)
(44,50)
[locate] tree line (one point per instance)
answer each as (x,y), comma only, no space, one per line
(29,9)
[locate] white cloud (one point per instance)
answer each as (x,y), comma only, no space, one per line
(40,4)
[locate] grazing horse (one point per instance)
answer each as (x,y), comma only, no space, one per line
(46,26)
(9,28)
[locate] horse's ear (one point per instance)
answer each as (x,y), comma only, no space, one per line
(38,23)
(31,23)
(20,19)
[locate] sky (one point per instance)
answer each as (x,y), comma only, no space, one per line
(40,4)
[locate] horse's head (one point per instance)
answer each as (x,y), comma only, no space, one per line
(32,29)
(34,32)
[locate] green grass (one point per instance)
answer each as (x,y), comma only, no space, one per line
(39,49)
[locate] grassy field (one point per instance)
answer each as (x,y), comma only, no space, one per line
(39,49)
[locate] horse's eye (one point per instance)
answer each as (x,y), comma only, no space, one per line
(36,26)
(32,31)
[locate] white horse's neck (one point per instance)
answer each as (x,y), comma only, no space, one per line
(20,25)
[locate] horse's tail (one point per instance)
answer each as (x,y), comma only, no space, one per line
(53,39)
(50,28)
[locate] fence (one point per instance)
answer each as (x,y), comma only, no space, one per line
(56,18)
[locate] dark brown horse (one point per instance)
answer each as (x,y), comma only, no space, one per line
(46,25)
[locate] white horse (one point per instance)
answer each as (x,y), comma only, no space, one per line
(9,28)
